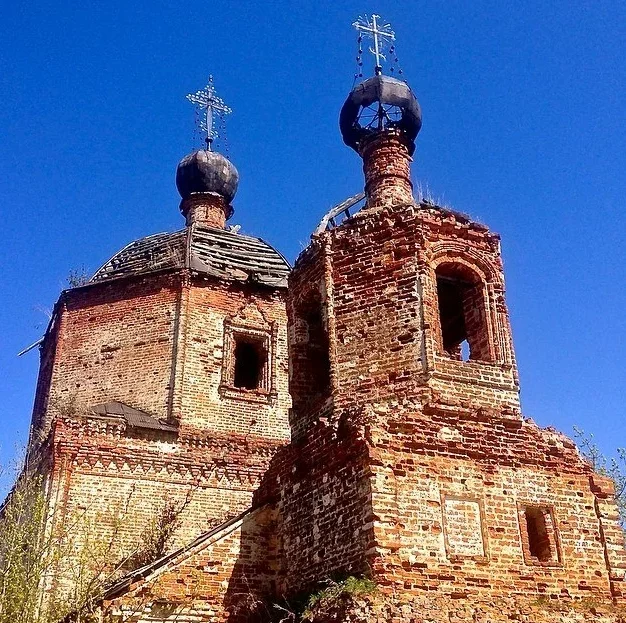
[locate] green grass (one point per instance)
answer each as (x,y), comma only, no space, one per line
(328,597)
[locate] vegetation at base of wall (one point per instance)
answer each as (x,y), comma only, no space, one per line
(330,598)
(22,564)
(50,569)
(613,467)
(327,603)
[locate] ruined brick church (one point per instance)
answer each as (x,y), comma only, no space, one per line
(355,415)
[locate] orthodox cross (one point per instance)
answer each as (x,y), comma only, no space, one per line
(209,104)
(381,34)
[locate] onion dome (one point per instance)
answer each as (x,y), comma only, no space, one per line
(377,104)
(207,183)
(206,171)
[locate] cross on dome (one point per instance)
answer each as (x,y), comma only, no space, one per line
(381,34)
(210,105)
(380,103)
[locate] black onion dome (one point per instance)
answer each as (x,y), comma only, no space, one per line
(207,172)
(388,92)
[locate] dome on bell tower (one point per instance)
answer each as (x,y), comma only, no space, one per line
(381,104)
(377,104)
(381,119)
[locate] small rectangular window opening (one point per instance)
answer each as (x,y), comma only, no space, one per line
(250,362)
(538,537)
(318,353)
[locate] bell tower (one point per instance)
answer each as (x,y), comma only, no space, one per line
(410,294)
(411,461)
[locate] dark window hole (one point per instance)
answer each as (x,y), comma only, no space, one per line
(250,362)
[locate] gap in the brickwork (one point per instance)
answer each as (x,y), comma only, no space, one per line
(538,538)
(250,360)
(462,316)
(318,350)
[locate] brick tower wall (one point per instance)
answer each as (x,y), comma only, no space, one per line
(308,294)
(452,468)
(204,398)
(163,344)
(384,302)
(115,485)
(320,485)
(451,488)
(111,341)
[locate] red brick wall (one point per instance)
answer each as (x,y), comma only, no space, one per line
(384,300)
(100,468)
(114,343)
(46,365)
(421,459)
(216,580)
(157,344)
(202,402)
(307,294)
(324,502)
(442,440)
(386,165)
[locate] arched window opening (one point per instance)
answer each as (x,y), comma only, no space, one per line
(318,347)
(309,352)
(538,537)
(462,314)
(250,362)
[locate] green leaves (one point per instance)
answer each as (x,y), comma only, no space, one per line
(613,467)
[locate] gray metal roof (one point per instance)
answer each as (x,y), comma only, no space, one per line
(134,418)
(220,253)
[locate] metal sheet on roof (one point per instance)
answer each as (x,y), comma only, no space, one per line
(219,253)
(134,417)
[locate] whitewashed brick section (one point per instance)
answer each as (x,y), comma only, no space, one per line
(463,526)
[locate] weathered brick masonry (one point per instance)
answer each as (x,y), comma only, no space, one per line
(157,343)
(419,467)
(363,421)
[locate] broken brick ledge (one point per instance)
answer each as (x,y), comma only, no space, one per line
(382,608)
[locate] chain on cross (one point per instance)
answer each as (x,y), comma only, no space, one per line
(381,34)
(209,105)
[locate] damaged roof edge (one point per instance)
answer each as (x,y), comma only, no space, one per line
(135,418)
(126,583)
(219,253)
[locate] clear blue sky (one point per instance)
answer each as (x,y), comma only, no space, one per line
(524,129)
